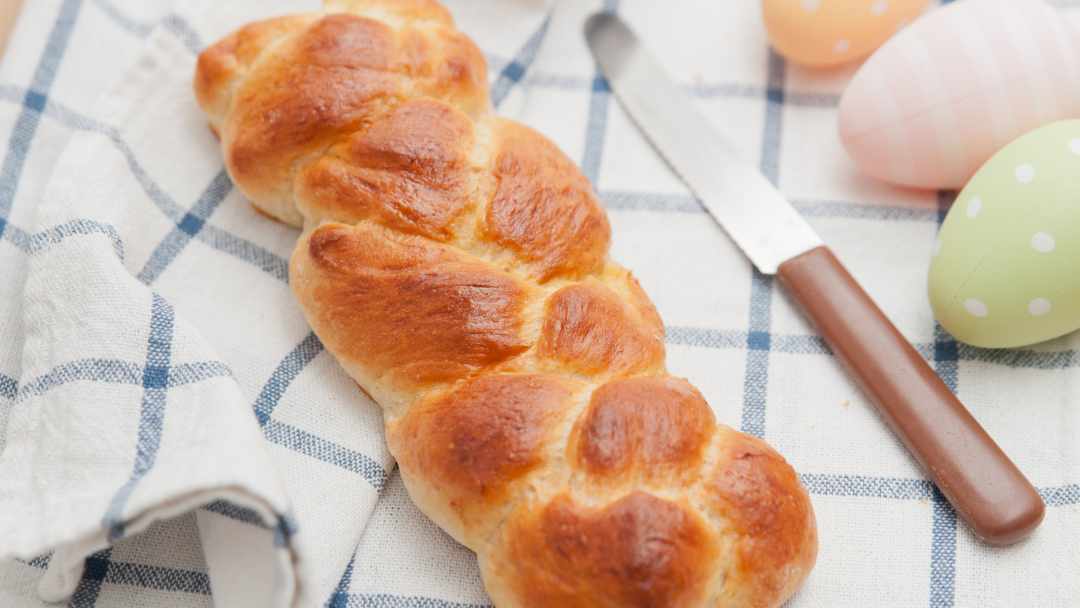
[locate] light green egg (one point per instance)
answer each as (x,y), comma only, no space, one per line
(1006,266)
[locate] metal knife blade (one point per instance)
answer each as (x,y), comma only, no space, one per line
(753,212)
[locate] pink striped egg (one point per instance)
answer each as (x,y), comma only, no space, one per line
(942,96)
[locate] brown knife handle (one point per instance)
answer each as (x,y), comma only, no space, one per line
(983,485)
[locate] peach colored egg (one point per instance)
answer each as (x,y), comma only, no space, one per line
(831,32)
(942,96)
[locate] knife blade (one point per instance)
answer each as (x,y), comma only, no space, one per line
(986,488)
(740,199)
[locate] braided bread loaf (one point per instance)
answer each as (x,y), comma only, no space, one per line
(456,265)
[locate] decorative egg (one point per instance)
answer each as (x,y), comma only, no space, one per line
(1006,266)
(938,99)
(831,32)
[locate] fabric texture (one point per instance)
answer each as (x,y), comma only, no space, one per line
(173,434)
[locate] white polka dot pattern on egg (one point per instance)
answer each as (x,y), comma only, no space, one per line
(879,7)
(810,5)
(1074,145)
(976,308)
(1039,307)
(841,46)
(1025,173)
(974,206)
(1043,242)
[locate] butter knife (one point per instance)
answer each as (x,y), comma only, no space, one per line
(985,487)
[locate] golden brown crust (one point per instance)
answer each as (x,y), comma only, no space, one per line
(470,293)
(409,171)
(283,89)
(544,208)
(332,77)
(592,330)
(221,64)
(473,442)
(757,491)
(639,550)
(651,427)
(401,306)
(446,65)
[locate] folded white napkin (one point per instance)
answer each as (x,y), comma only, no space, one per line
(165,410)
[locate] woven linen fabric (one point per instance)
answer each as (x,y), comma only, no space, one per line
(172,433)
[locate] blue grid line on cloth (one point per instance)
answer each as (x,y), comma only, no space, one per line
(136,27)
(711,90)
(188,373)
(245,251)
(862,211)
(865,486)
(942,553)
(286,371)
(340,597)
(734,89)
(177,26)
(22,134)
(515,69)
(187,228)
(155,382)
(621,200)
(101,568)
(1061,496)
(157,577)
(140,28)
(721,338)
(310,444)
(302,441)
(99,370)
(95,571)
(113,371)
(238,513)
(33,244)
(596,126)
(382,600)
(9,387)
(758,338)
(706,337)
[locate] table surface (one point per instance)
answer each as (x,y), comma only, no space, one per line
(9,10)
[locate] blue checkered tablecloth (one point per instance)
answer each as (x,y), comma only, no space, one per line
(144,316)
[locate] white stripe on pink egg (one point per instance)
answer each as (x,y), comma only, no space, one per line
(936,125)
(989,116)
(942,96)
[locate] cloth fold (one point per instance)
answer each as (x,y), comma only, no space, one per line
(173,434)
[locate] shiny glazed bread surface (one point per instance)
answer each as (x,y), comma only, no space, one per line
(456,264)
